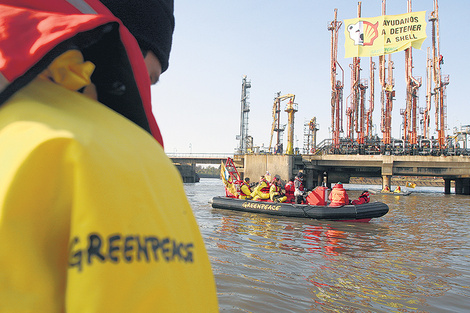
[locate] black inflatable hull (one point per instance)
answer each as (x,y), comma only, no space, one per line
(363,212)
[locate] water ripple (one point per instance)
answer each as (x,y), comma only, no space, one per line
(414,259)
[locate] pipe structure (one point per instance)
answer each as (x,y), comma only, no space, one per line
(353,109)
(368,132)
(336,85)
(360,107)
(313,128)
(245,109)
(361,112)
(439,84)
(349,119)
(426,119)
(290,109)
(386,96)
(410,114)
(276,127)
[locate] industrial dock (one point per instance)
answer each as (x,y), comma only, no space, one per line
(353,149)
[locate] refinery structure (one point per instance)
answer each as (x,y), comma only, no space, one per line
(352,111)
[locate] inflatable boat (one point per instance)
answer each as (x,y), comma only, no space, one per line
(316,206)
(359,213)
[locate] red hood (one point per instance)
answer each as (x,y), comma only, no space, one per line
(35,32)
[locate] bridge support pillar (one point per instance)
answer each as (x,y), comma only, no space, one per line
(459,186)
(386,181)
(446,186)
(387,171)
(319,178)
(466,186)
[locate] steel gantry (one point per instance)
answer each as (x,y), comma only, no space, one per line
(336,85)
(246,142)
(440,83)
(369,123)
(387,96)
(276,126)
(410,114)
(291,108)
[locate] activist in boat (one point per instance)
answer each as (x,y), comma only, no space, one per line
(315,203)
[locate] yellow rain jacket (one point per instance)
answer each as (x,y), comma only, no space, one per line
(93,215)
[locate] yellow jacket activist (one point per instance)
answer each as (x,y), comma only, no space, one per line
(93,215)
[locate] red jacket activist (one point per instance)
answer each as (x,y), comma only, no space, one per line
(338,196)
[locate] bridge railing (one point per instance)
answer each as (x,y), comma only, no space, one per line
(200,155)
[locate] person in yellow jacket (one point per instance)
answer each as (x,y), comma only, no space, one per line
(275,191)
(87,222)
(245,191)
(261,191)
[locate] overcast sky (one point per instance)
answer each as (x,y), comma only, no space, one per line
(284,46)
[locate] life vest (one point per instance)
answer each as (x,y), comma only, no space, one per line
(264,186)
(261,191)
(244,190)
(338,196)
(274,189)
(275,193)
(49,28)
(289,188)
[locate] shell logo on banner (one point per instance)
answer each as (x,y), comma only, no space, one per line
(367,37)
(363,33)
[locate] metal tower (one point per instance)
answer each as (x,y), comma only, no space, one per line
(387,95)
(427,109)
(245,140)
(276,127)
(354,112)
(310,136)
(369,123)
(336,85)
(291,108)
(439,83)
(410,114)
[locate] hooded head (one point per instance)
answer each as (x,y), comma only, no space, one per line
(151,22)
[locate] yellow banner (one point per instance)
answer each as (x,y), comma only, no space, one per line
(367,37)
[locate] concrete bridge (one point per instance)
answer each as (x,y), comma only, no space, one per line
(199,158)
(186,163)
(333,168)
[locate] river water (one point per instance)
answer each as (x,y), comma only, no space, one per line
(414,259)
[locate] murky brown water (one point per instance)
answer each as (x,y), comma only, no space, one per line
(414,259)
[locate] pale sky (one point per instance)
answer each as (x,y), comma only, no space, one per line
(285,46)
